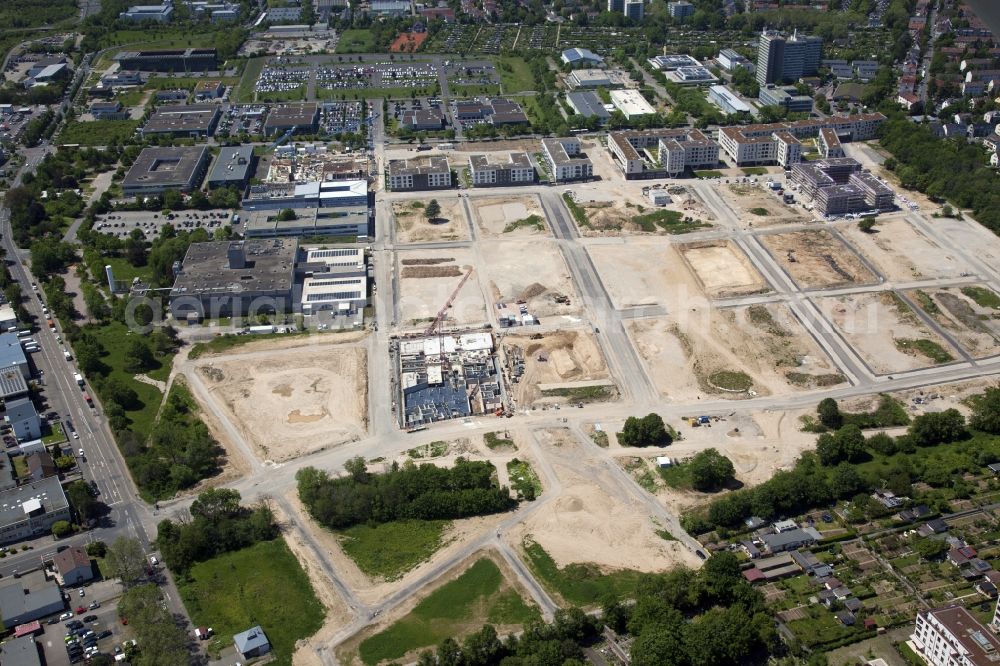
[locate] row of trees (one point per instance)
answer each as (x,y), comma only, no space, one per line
(424,492)
(219,524)
(711,617)
(812,483)
(649,430)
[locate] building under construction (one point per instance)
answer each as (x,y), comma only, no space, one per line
(445,376)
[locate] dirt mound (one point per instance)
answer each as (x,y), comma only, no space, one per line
(533,290)
(431,271)
(426,262)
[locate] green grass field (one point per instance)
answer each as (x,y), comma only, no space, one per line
(475,90)
(580,584)
(755,171)
(225,342)
(670,221)
(928,348)
(244,91)
(356,41)
(264,585)
(709,173)
(480,595)
(98,132)
(984,298)
(388,550)
(515,75)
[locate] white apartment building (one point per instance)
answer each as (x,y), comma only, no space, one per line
(565,160)
(675,150)
(951,636)
(486,171)
(756,144)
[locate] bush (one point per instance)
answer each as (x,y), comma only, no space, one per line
(97,549)
(61,528)
(650,430)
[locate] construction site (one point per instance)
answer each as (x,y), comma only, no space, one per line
(509,217)
(818,259)
(414,226)
(310,163)
(429,278)
(553,368)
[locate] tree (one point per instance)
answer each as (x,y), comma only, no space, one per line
(650,430)
(846,481)
(216,503)
(61,528)
(138,357)
(986,412)
(97,549)
(81,497)
(125,560)
(710,470)
(114,390)
(931,549)
(867,224)
(829,413)
(938,428)
(286,215)
(432,210)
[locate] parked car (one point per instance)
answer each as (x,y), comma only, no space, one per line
(65,616)
(90,618)
(94,604)
(80,610)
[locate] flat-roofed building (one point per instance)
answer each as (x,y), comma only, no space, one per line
(208,90)
(29,510)
(566,161)
(781,57)
(20,651)
(507,112)
(730,61)
(297,118)
(680,9)
(668,63)
(307,194)
(353,221)
(343,294)
(829,144)
(157,170)
(230,278)
(197,120)
(587,104)
(421,173)
(631,103)
(787,98)
(488,171)
(755,144)
(727,100)
(838,186)
(422,120)
(108,111)
(952,636)
(692,76)
(157,13)
(233,168)
(169,60)
(661,153)
(589,78)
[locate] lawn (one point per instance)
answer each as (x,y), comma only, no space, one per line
(984,298)
(480,595)
(494,442)
(184,82)
(388,550)
(120,266)
(98,132)
(244,91)
(56,436)
(293,95)
(224,342)
(114,339)
(264,585)
(671,221)
(161,37)
(474,90)
(755,171)
(580,584)
(523,479)
(709,173)
(677,476)
(356,41)
(515,75)
(928,348)
(582,393)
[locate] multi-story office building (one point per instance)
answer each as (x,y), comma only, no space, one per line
(781,58)
(489,172)
(157,13)
(616,6)
(169,60)
(634,9)
(786,97)
(681,9)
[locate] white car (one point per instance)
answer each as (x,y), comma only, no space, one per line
(76,435)
(82,454)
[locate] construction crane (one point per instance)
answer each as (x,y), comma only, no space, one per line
(280,140)
(444,309)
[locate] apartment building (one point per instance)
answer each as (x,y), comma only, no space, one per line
(838,186)
(951,636)
(422,173)
(749,144)
(487,171)
(566,161)
(670,152)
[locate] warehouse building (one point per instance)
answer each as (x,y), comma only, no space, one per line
(588,105)
(157,13)
(727,100)
(421,173)
(235,278)
(354,221)
(566,161)
(233,168)
(487,171)
(20,651)
(589,78)
(661,153)
(29,510)
(295,118)
(157,170)
(29,599)
(169,60)
(838,186)
(631,103)
(195,120)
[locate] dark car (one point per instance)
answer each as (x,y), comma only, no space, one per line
(104,634)
(700,554)
(90,618)
(74,624)
(54,620)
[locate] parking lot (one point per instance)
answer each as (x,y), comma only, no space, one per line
(12,124)
(340,117)
(275,78)
(477,73)
(377,75)
(121,223)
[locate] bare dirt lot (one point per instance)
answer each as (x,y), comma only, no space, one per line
(976,326)
(817,259)
(289,402)
(559,357)
(753,203)
(726,352)
(595,519)
(533,272)
(902,252)
(617,216)
(875,324)
(412,225)
(420,298)
(722,269)
(507,217)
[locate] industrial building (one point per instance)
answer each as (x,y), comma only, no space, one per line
(29,510)
(668,63)
(195,120)
(566,161)
(787,97)
(169,60)
(421,173)
(347,221)
(487,171)
(233,168)
(295,118)
(781,58)
(589,78)
(157,13)
(727,100)
(631,103)
(12,383)
(587,104)
(448,376)
(335,280)
(730,61)
(582,57)
(661,153)
(157,170)
(235,278)
(756,144)
(308,194)
(838,187)
(12,354)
